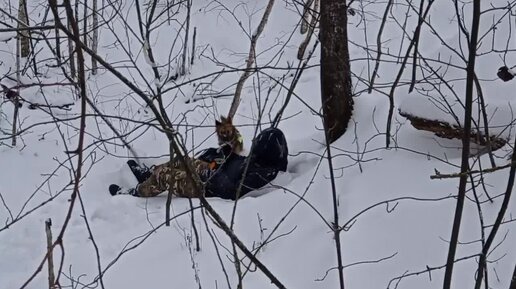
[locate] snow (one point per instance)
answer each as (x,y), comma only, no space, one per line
(6,36)
(137,250)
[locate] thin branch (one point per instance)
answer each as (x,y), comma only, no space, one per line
(465,146)
(80,145)
(427,270)
(357,263)
(379,46)
(438,175)
(416,45)
(250,59)
(498,222)
(335,227)
(398,76)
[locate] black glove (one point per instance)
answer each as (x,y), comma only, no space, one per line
(505,73)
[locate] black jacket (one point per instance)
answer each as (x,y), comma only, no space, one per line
(268,155)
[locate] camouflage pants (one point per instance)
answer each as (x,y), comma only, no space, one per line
(164,175)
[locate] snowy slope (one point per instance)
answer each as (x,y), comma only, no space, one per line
(136,250)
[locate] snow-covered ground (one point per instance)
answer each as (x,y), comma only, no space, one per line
(136,250)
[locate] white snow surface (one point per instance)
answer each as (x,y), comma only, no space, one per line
(136,249)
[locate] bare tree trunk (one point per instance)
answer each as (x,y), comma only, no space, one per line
(16,98)
(168,12)
(193,46)
(336,95)
(182,70)
(58,47)
(95,40)
(465,146)
(50,255)
(23,35)
(85,23)
(170,185)
(71,50)
(310,30)
(305,19)
(56,30)
(398,76)
(28,37)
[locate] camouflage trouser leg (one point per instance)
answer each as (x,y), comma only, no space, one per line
(162,176)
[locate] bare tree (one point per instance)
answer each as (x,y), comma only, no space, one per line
(95,38)
(454,240)
(24,37)
(251,59)
(144,68)
(336,90)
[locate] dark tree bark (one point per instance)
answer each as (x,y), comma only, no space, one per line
(470,70)
(336,96)
(23,35)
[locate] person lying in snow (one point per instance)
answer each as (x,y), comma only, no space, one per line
(220,170)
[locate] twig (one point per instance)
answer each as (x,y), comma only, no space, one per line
(482,108)
(239,243)
(78,151)
(212,237)
(192,57)
(141,239)
(250,59)
(499,218)
(416,45)
(427,270)
(311,28)
(379,45)
(438,175)
(398,77)
(7,208)
(196,234)
(335,224)
(351,220)
(357,263)
(95,246)
(170,184)
(299,71)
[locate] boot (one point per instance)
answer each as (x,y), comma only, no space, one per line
(141,173)
(117,190)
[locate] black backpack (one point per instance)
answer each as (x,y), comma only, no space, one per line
(270,149)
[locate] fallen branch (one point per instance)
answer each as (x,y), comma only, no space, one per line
(427,270)
(450,131)
(438,174)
